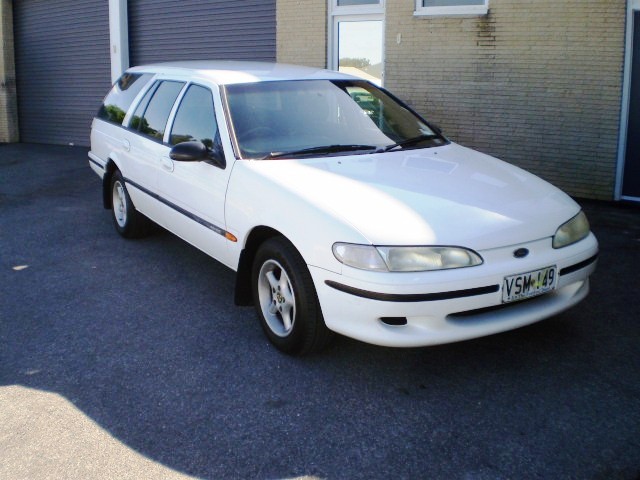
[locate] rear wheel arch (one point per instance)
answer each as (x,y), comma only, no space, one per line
(127,220)
(109,170)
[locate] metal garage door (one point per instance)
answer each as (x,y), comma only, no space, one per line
(166,30)
(62,67)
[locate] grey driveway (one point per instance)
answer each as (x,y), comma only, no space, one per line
(128,359)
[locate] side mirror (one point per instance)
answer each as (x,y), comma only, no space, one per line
(189,152)
(197,152)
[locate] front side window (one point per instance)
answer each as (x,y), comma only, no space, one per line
(119,99)
(151,115)
(271,118)
(451,7)
(195,119)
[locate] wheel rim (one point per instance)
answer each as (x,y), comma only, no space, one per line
(277,298)
(119,204)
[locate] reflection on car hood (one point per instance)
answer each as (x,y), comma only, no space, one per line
(449,195)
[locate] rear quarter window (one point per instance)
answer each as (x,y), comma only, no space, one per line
(119,99)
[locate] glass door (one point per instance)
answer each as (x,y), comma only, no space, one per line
(631,176)
(628,172)
(360,48)
(356,32)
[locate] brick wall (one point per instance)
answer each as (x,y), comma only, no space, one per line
(301,35)
(8,98)
(536,83)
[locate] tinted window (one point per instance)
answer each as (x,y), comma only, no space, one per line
(195,119)
(119,99)
(134,122)
(156,111)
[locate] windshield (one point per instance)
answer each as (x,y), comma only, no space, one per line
(327,117)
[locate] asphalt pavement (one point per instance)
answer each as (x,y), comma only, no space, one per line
(128,359)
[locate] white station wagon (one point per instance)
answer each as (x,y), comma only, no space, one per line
(339,207)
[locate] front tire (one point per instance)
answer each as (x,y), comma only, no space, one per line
(128,221)
(286,299)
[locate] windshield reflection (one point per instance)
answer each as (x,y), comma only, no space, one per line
(296,118)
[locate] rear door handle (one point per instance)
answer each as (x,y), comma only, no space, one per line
(126,145)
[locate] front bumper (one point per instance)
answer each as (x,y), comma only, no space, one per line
(430,308)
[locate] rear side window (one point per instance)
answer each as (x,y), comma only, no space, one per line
(121,96)
(151,115)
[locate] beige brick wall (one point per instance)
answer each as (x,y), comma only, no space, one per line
(8,98)
(302,32)
(536,83)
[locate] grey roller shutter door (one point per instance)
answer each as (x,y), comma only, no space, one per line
(62,67)
(168,30)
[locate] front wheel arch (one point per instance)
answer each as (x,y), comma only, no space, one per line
(259,235)
(285,299)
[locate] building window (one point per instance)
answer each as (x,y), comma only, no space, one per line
(344,3)
(356,33)
(452,7)
(356,6)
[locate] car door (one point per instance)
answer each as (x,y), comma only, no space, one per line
(143,146)
(194,192)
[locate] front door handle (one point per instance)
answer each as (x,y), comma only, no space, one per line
(167,164)
(126,145)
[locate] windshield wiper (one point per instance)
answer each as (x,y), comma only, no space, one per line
(410,141)
(326,149)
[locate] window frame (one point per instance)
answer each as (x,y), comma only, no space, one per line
(422,11)
(366,9)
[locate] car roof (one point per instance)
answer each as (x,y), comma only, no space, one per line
(227,72)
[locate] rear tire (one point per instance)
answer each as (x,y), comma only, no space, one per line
(286,299)
(128,221)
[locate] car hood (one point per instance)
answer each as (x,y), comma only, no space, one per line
(447,195)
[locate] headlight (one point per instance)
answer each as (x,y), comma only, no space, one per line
(404,259)
(364,257)
(571,232)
